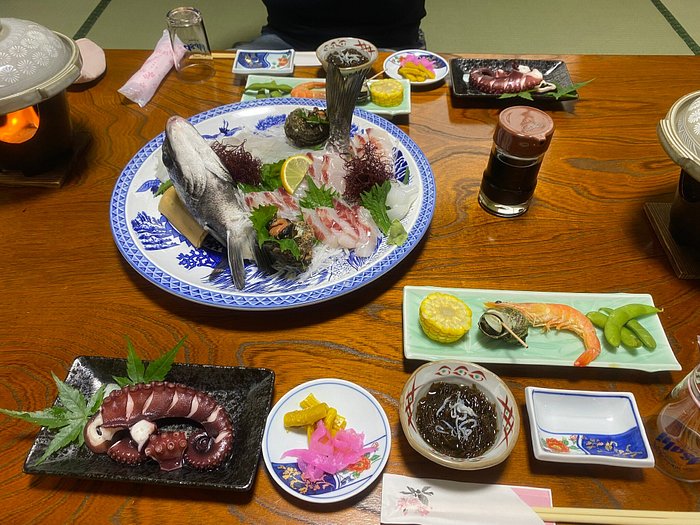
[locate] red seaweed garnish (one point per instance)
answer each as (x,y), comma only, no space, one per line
(240,163)
(368,168)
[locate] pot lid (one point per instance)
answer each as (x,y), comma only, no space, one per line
(35,63)
(679,133)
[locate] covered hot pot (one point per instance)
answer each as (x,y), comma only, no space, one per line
(36,67)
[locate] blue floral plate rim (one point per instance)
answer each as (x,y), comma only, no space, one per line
(269,293)
(607,428)
(363,413)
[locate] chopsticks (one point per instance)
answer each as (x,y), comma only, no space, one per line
(223,54)
(616,516)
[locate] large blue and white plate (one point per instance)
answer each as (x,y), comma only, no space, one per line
(160,254)
(362,412)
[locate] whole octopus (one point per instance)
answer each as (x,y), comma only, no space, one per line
(518,78)
(125,427)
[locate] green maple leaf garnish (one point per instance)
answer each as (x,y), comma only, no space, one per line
(156,370)
(69,417)
(561,93)
(72,411)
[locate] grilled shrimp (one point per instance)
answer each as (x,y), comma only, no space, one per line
(559,317)
(309,90)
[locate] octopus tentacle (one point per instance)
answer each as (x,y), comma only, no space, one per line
(515,80)
(168,449)
(136,405)
(126,452)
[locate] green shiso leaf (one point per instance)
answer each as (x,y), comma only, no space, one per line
(317,196)
(261,217)
(375,201)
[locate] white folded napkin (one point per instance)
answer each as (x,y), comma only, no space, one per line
(441,502)
(143,84)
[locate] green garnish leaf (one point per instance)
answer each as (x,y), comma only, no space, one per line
(560,93)
(134,365)
(137,372)
(70,416)
(565,92)
(63,438)
(375,201)
(164,186)
(158,369)
(317,196)
(54,417)
(261,217)
(72,411)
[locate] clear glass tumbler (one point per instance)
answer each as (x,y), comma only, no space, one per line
(674,432)
(188,38)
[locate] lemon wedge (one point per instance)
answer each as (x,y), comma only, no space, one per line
(444,317)
(293,171)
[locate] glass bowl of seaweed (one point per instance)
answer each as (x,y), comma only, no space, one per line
(459,415)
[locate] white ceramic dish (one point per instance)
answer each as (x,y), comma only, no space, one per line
(461,372)
(552,348)
(393,63)
(273,62)
(577,426)
(363,414)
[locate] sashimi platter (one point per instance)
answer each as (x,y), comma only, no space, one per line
(279,221)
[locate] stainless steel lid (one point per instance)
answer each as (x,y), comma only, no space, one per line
(679,133)
(35,63)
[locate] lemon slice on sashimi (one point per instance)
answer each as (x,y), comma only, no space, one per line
(293,172)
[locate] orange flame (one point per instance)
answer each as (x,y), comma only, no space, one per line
(19,126)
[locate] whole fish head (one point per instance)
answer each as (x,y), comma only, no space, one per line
(189,159)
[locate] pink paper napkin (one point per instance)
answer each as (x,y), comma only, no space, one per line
(143,84)
(441,502)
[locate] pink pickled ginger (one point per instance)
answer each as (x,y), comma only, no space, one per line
(329,454)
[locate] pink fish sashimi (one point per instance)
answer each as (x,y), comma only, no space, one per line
(327,170)
(329,454)
(287,206)
(343,226)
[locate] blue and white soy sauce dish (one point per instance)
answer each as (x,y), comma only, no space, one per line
(577,426)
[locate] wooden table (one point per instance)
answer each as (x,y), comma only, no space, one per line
(67,291)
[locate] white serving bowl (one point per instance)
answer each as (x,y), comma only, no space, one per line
(462,372)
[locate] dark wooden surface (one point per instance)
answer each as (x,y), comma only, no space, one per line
(67,291)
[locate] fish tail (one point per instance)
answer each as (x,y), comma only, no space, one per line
(234,252)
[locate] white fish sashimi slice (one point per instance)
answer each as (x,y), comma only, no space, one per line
(400,199)
(346,227)
(327,170)
(287,206)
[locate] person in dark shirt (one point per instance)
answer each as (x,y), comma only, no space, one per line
(305,25)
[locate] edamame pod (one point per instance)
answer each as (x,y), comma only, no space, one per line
(620,316)
(627,336)
(642,333)
(269,86)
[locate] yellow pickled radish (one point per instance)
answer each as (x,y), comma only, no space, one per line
(444,317)
(387,92)
(305,416)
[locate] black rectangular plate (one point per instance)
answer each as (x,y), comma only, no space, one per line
(553,71)
(245,393)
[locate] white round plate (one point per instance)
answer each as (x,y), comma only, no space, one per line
(160,254)
(363,414)
(393,63)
